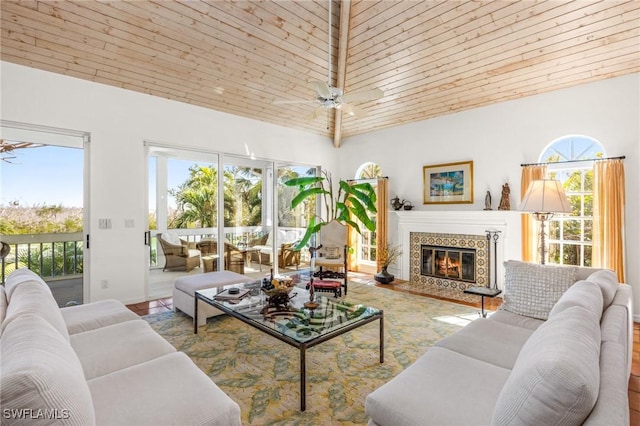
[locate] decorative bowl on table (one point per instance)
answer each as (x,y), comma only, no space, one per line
(278,290)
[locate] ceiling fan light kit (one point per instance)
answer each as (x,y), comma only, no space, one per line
(330,97)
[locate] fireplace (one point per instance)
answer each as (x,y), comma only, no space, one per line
(449,261)
(460,229)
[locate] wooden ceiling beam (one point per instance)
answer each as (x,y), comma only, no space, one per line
(343,49)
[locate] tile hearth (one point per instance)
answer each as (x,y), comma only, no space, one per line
(470,243)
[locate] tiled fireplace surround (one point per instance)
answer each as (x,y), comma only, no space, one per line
(410,229)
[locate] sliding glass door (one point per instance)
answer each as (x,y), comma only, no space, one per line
(42,206)
(254,227)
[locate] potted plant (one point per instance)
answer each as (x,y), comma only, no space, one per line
(351,199)
(387,254)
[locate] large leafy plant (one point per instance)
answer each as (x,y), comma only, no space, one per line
(352,200)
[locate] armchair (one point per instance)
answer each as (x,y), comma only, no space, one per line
(332,257)
(288,256)
(257,244)
(234,257)
(178,254)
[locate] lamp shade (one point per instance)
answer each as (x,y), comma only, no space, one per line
(545,196)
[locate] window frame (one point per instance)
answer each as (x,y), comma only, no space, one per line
(572,153)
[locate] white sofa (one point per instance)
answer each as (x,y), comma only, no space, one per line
(97,363)
(557,352)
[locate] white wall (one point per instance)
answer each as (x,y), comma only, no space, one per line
(119,121)
(498,138)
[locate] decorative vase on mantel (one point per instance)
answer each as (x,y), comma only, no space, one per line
(384,277)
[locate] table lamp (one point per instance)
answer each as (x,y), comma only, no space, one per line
(543,199)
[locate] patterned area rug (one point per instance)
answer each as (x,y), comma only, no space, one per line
(261,373)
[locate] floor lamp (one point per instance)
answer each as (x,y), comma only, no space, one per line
(543,199)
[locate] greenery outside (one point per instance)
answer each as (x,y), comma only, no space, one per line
(47,259)
(352,201)
(571,236)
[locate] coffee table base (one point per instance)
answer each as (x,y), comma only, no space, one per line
(302,347)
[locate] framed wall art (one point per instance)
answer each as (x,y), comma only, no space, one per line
(450,183)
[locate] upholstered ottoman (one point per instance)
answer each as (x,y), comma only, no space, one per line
(328,286)
(184,289)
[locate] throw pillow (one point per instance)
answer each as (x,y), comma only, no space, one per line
(333,252)
(608,283)
(556,378)
(532,290)
(31,297)
(582,293)
(42,373)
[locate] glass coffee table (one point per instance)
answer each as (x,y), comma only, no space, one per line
(294,324)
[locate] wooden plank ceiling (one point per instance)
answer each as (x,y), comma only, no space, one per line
(429,57)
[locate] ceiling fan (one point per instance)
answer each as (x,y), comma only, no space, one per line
(330,97)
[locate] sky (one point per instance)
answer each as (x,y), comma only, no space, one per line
(47,175)
(52,175)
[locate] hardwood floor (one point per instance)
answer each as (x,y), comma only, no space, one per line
(166,304)
(634,380)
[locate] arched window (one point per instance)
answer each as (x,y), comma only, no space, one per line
(570,236)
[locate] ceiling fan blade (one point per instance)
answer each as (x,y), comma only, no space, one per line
(352,110)
(292,102)
(322,89)
(364,96)
(315,114)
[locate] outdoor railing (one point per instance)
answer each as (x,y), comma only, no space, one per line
(61,255)
(240,236)
(52,256)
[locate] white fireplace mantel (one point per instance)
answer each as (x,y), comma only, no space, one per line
(403,223)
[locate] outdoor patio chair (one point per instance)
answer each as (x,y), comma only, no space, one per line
(288,256)
(234,257)
(178,253)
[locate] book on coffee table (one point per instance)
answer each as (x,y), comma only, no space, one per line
(225,295)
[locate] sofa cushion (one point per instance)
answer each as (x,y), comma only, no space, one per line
(608,283)
(280,235)
(40,371)
(291,236)
(112,348)
(170,390)
(36,298)
(532,290)
(489,341)
(557,375)
(516,320)
(95,315)
(190,283)
(18,276)
(610,325)
(3,305)
(172,238)
(442,387)
(612,407)
(583,293)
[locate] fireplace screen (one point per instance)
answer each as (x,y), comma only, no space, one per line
(449,262)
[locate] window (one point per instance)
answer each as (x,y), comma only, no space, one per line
(570,236)
(367,241)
